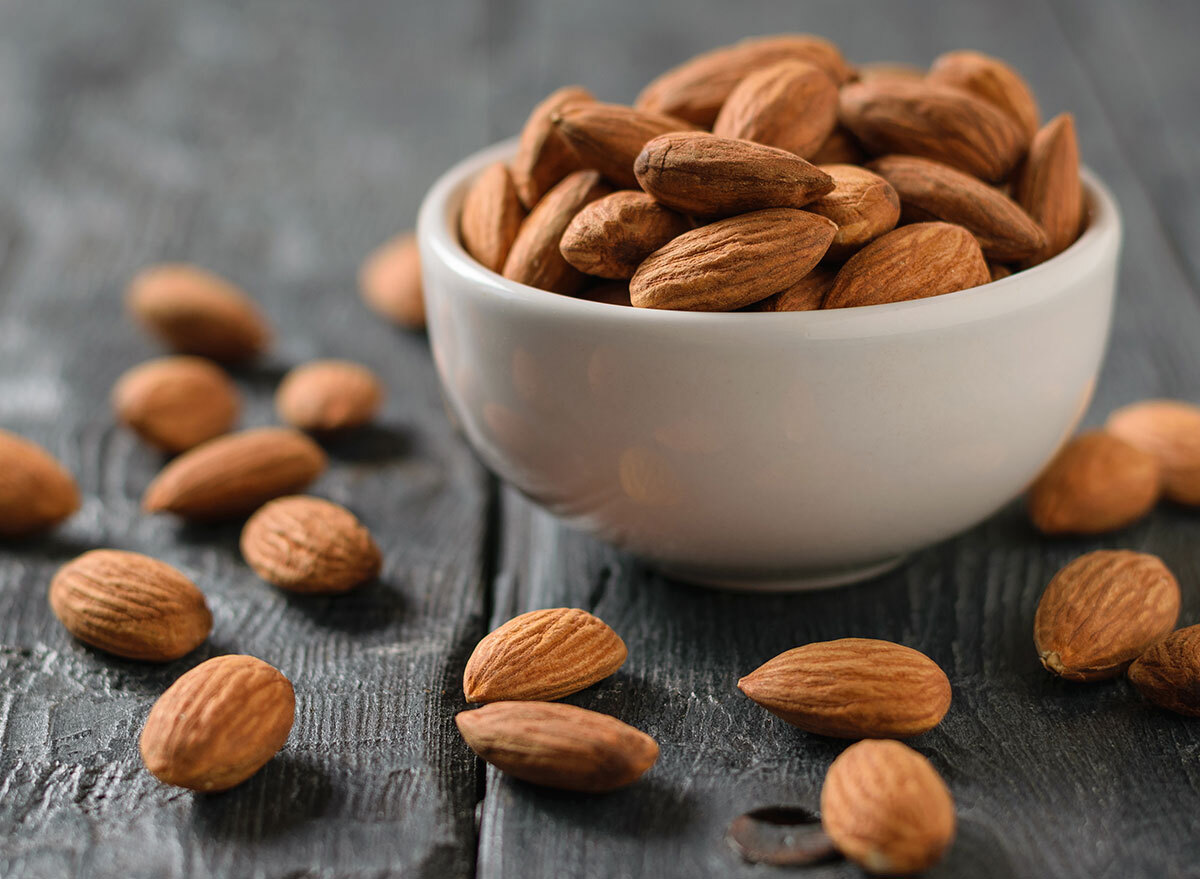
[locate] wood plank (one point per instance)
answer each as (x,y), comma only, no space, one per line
(275,142)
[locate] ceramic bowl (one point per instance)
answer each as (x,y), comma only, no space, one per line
(768,450)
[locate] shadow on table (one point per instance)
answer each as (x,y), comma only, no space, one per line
(366,608)
(649,807)
(369,444)
(289,791)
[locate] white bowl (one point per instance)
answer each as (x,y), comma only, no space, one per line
(768,450)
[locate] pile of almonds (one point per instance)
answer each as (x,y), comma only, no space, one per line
(772,175)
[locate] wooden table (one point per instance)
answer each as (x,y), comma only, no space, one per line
(277,141)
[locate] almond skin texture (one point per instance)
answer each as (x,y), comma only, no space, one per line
(708,176)
(1170,431)
(218,724)
(791,105)
(130,605)
(491,215)
(863,205)
(732,263)
(306,544)
(990,79)
(930,190)
(697,89)
(36,492)
(1048,186)
(542,655)
(557,745)
(933,121)
(535,258)
(1095,484)
(233,475)
(840,148)
(608,137)
(390,282)
(175,403)
(912,262)
(612,236)
(852,688)
(1102,611)
(807,294)
(1168,674)
(329,395)
(887,809)
(543,158)
(194,311)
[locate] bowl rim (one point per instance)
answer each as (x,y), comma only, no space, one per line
(437,233)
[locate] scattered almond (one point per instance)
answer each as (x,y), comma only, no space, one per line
(542,655)
(235,474)
(1096,483)
(708,176)
(491,215)
(1102,611)
(791,105)
(543,158)
(1048,186)
(306,544)
(178,402)
(863,205)
(390,282)
(608,137)
(1170,431)
(887,809)
(1168,674)
(912,262)
(852,688)
(329,395)
(930,190)
(613,235)
(557,745)
(196,312)
(732,263)
(535,258)
(218,724)
(130,605)
(807,294)
(36,492)
(990,79)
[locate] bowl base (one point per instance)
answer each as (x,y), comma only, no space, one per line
(800,581)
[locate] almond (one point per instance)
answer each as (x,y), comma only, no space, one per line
(491,215)
(732,263)
(912,262)
(535,258)
(933,121)
(175,403)
(889,70)
(791,105)
(887,809)
(218,724)
(1168,674)
(557,745)
(852,688)
(840,148)
(1102,611)
(390,282)
(931,190)
(807,294)
(542,655)
(1096,483)
(608,292)
(863,205)
(306,544)
(543,158)
(1170,431)
(613,235)
(196,312)
(233,475)
(608,137)
(36,492)
(1048,185)
(329,395)
(999,270)
(697,89)
(130,605)
(709,176)
(990,79)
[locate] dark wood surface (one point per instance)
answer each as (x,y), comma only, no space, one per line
(276,141)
